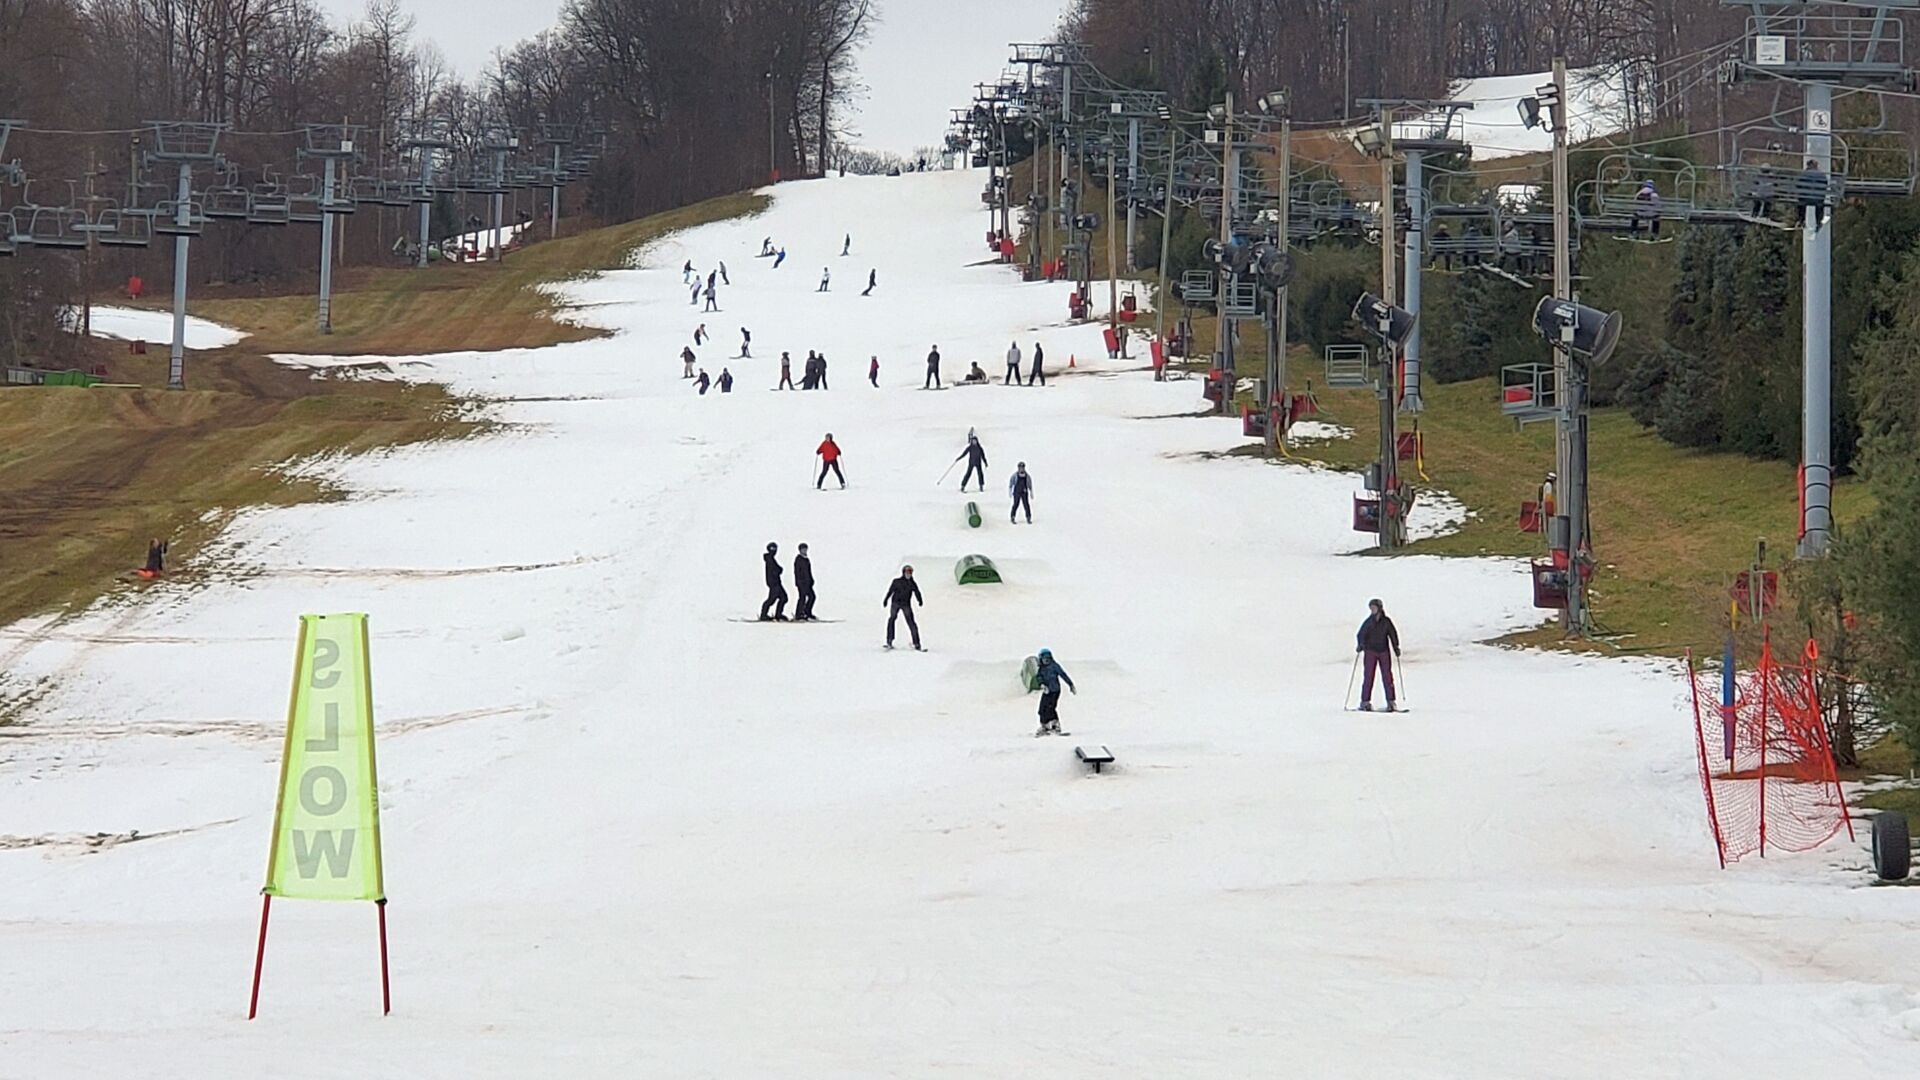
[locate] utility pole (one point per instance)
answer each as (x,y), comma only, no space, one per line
(1569,378)
(1166,231)
(1223,326)
(1277,329)
(1133,180)
(1389,378)
(1113,278)
(1816,331)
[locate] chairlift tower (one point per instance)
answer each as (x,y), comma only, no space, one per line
(428,141)
(333,144)
(184,144)
(555,136)
(1849,45)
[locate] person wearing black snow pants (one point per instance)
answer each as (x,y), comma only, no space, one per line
(1377,635)
(1039,375)
(900,598)
(803,580)
(1020,486)
(976,456)
(1050,675)
(776,592)
(933,370)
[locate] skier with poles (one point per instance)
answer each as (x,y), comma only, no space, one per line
(803,580)
(976,456)
(1050,675)
(776,592)
(1013,366)
(933,370)
(1377,635)
(829,455)
(1020,486)
(900,598)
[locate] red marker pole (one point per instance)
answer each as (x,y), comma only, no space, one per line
(386,993)
(259,956)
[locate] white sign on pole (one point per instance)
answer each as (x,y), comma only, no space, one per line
(1769,50)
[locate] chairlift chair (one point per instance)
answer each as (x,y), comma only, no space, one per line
(7,245)
(227,202)
(120,228)
(270,205)
(167,218)
(57,227)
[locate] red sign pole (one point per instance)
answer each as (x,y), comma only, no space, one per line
(259,955)
(386,993)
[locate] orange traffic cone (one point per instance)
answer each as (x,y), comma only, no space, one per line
(1069,359)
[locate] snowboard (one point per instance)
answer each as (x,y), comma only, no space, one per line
(916,648)
(777,622)
(1043,734)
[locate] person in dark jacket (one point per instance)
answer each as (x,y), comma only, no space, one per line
(803,580)
(156,558)
(873,278)
(1377,635)
(703,382)
(776,592)
(726,381)
(933,370)
(686,361)
(1020,486)
(1039,375)
(873,371)
(1050,675)
(900,598)
(976,456)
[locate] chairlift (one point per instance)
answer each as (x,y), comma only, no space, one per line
(342,200)
(57,227)
(270,205)
(1874,171)
(168,220)
(116,227)
(7,246)
(227,202)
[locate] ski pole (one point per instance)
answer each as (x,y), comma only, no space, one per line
(1402,665)
(949,472)
(1351,675)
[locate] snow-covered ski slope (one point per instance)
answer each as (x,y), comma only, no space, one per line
(1493,126)
(629,836)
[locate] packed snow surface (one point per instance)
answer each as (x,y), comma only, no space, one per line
(1493,127)
(145,324)
(629,835)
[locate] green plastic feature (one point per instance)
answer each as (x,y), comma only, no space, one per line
(1030,674)
(976,570)
(973,515)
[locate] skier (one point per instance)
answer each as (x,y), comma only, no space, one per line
(766,249)
(746,343)
(703,382)
(803,581)
(900,598)
(873,278)
(686,272)
(786,372)
(700,334)
(776,592)
(1013,366)
(1039,375)
(712,305)
(724,280)
(1020,486)
(826,275)
(933,370)
(829,454)
(1376,635)
(976,456)
(686,359)
(1050,675)
(846,246)
(779,257)
(726,381)
(873,372)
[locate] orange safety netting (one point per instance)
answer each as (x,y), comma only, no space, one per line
(1766,766)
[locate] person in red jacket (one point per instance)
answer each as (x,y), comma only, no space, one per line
(829,453)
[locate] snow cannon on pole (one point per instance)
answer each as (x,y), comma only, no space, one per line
(1392,326)
(1588,337)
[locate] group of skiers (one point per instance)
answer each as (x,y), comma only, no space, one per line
(1019,485)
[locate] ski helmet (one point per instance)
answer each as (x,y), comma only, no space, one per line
(1046,654)
(773,547)
(1375,603)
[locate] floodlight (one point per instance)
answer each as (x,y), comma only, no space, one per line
(1275,102)
(1530,112)
(1217,113)
(1577,329)
(1369,141)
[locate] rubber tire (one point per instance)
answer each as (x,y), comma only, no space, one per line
(1892,850)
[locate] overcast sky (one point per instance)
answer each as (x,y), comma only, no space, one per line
(923,60)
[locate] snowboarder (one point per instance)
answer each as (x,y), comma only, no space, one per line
(1013,366)
(873,278)
(933,370)
(746,343)
(766,249)
(820,372)
(803,581)
(703,382)
(712,304)
(900,598)
(1050,675)
(1039,375)
(1020,486)
(776,592)
(686,272)
(846,246)
(686,360)
(786,372)
(726,381)
(700,334)
(1377,634)
(829,455)
(873,372)
(779,257)
(976,456)
(712,277)
(826,275)
(695,298)
(976,375)
(724,280)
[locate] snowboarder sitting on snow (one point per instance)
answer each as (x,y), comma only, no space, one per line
(900,598)
(703,382)
(1050,675)
(1377,634)
(776,592)
(976,375)
(1020,486)
(803,580)
(976,456)
(829,454)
